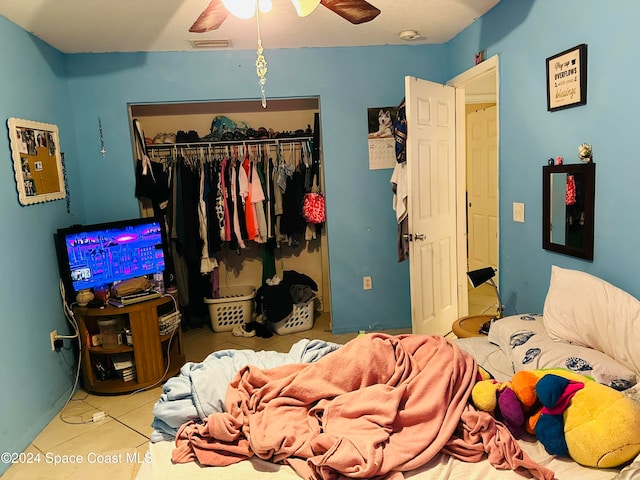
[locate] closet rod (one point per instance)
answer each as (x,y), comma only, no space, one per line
(271,141)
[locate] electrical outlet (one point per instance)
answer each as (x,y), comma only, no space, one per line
(366,283)
(52,336)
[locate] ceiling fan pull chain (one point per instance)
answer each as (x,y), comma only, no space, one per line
(261,64)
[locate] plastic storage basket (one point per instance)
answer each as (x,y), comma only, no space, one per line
(300,319)
(234,307)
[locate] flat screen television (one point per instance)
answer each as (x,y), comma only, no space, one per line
(99,255)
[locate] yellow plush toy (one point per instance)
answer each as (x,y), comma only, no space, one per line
(601,425)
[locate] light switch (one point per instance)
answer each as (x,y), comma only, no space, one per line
(518,212)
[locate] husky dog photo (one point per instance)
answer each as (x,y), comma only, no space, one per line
(380,120)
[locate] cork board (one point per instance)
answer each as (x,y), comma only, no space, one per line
(37,161)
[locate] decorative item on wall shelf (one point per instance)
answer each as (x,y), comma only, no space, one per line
(567,78)
(585,153)
(37,161)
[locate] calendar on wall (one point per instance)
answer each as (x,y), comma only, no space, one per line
(382,153)
(381,137)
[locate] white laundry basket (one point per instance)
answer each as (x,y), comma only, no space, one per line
(299,320)
(234,307)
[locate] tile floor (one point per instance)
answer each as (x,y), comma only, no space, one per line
(115,447)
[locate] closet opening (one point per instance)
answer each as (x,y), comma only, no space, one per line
(287,134)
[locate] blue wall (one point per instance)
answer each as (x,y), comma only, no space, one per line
(72,91)
(524,33)
(360,222)
(33,86)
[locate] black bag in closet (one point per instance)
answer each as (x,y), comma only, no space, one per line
(151,179)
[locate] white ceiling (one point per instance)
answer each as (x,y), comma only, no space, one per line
(78,26)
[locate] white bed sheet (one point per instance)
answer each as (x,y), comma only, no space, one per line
(489,356)
(442,467)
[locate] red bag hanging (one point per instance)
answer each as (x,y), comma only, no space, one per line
(313,208)
(570,195)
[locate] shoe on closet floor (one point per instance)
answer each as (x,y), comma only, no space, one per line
(240,331)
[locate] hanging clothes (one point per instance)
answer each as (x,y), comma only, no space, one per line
(292,222)
(257,199)
(249,207)
(400,132)
(230,230)
(213,208)
(225,196)
(221,209)
(207,262)
(238,196)
(315,150)
(399,182)
(190,245)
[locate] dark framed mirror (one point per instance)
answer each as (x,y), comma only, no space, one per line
(568,201)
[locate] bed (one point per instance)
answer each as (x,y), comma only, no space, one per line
(395,407)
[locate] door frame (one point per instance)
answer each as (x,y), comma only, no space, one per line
(489,66)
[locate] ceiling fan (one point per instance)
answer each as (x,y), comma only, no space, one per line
(354,11)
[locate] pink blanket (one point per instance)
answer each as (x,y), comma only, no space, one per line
(378,406)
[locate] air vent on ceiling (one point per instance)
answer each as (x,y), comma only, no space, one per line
(210,43)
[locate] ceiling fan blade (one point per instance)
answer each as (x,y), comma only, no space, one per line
(354,11)
(211,18)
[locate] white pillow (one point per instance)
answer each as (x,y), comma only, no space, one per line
(585,310)
(524,339)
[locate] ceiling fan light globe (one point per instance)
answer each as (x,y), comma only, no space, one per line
(241,8)
(305,7)
(265,5)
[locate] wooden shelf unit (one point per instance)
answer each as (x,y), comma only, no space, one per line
(151,351)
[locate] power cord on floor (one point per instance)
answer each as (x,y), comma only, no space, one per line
(68,312)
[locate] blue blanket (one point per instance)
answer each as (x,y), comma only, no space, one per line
(200,388)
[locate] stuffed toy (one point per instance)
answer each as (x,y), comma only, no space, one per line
(499,399)
(570,414)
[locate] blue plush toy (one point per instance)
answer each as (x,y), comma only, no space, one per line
(554,392)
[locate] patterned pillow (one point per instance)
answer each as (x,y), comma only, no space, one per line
(524,339)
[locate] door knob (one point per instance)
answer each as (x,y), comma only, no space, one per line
(411,237)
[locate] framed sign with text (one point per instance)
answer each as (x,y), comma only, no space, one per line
(567,78)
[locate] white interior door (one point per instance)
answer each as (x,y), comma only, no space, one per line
(482,188)
(431,173)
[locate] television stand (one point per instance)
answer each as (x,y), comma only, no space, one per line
(157,356)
